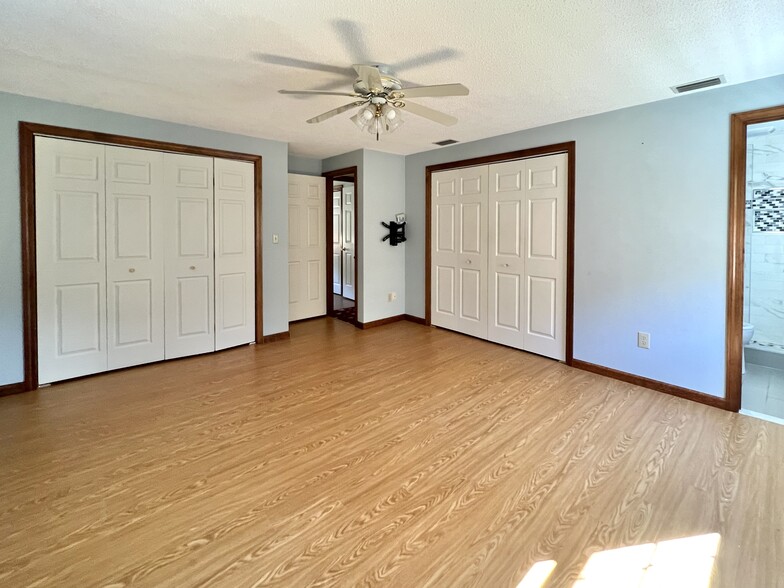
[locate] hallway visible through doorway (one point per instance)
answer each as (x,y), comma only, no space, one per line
(345,309)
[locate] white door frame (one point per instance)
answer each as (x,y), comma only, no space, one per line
(569,149)
(27,133)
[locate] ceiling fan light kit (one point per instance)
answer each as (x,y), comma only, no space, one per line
(380,97)
(377,119)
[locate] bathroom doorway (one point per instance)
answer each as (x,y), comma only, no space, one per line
(756,381)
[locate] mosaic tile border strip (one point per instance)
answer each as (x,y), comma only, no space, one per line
(769,221)
(768,207)
(766,199)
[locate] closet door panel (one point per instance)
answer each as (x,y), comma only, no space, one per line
(506,261)
(545,255)
(190,268)
(459,256)
(70,257)
(235,293)
(135,261)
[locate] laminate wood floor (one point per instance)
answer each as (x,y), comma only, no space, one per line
(401,455)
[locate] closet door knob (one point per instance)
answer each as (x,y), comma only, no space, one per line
(193,267)
(506,265)
(468,261)
(131,270)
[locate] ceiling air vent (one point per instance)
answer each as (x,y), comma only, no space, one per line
(445,142)
(699,85)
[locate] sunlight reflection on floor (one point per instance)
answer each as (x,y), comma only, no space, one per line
(538,574)
(677,563)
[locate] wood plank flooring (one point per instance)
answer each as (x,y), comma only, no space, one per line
(401,455)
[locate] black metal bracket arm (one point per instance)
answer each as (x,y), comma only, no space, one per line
(397,232)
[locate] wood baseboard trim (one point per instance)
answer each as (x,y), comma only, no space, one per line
(686,393)
(15,388)
(380,322)
(276,337)
(310,318)
(415,319)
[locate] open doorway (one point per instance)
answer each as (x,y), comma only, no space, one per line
(755,321)
(342,291)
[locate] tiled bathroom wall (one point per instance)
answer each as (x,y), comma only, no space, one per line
(764,251)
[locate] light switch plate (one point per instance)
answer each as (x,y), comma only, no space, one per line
(274,238)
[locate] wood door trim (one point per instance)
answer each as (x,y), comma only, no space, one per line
(569,148)
(343,174)
(736,233)
(27,133)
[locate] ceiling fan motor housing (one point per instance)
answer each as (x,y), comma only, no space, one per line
(388,79)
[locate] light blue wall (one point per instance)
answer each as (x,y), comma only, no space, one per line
(381,268)
(15,108)
(651,229)
(304,165)
(384,265)
(352,159)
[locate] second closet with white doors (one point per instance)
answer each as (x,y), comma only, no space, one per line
(141,256)
(498,257)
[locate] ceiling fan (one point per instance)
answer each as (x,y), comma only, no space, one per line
(380,96)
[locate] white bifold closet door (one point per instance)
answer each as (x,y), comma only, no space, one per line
(506,298)
(70,218)
(134,256)
(235,290)
(190,267)
(521,299)
(307,247)
(544,291)
(459,255)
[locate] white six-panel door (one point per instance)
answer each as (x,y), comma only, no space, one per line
(307,247)
(134,256)
(545,255)
(459,255)
(348,243)
(235,292)
(337,242)
(506,324)
(189,305)
(520,296)
(71,263)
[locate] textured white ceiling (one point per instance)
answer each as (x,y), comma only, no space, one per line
(527,63)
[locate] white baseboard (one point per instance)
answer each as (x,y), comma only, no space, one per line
(764,417)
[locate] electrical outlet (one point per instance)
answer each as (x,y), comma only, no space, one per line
(643,340)
(274,238)
(392,296)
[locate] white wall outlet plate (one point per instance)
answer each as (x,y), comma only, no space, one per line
(392,296)
(643,340)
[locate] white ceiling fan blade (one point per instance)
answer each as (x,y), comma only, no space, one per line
(370,77)
(317,93)
(333,112)
(429,113)
(441,90)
